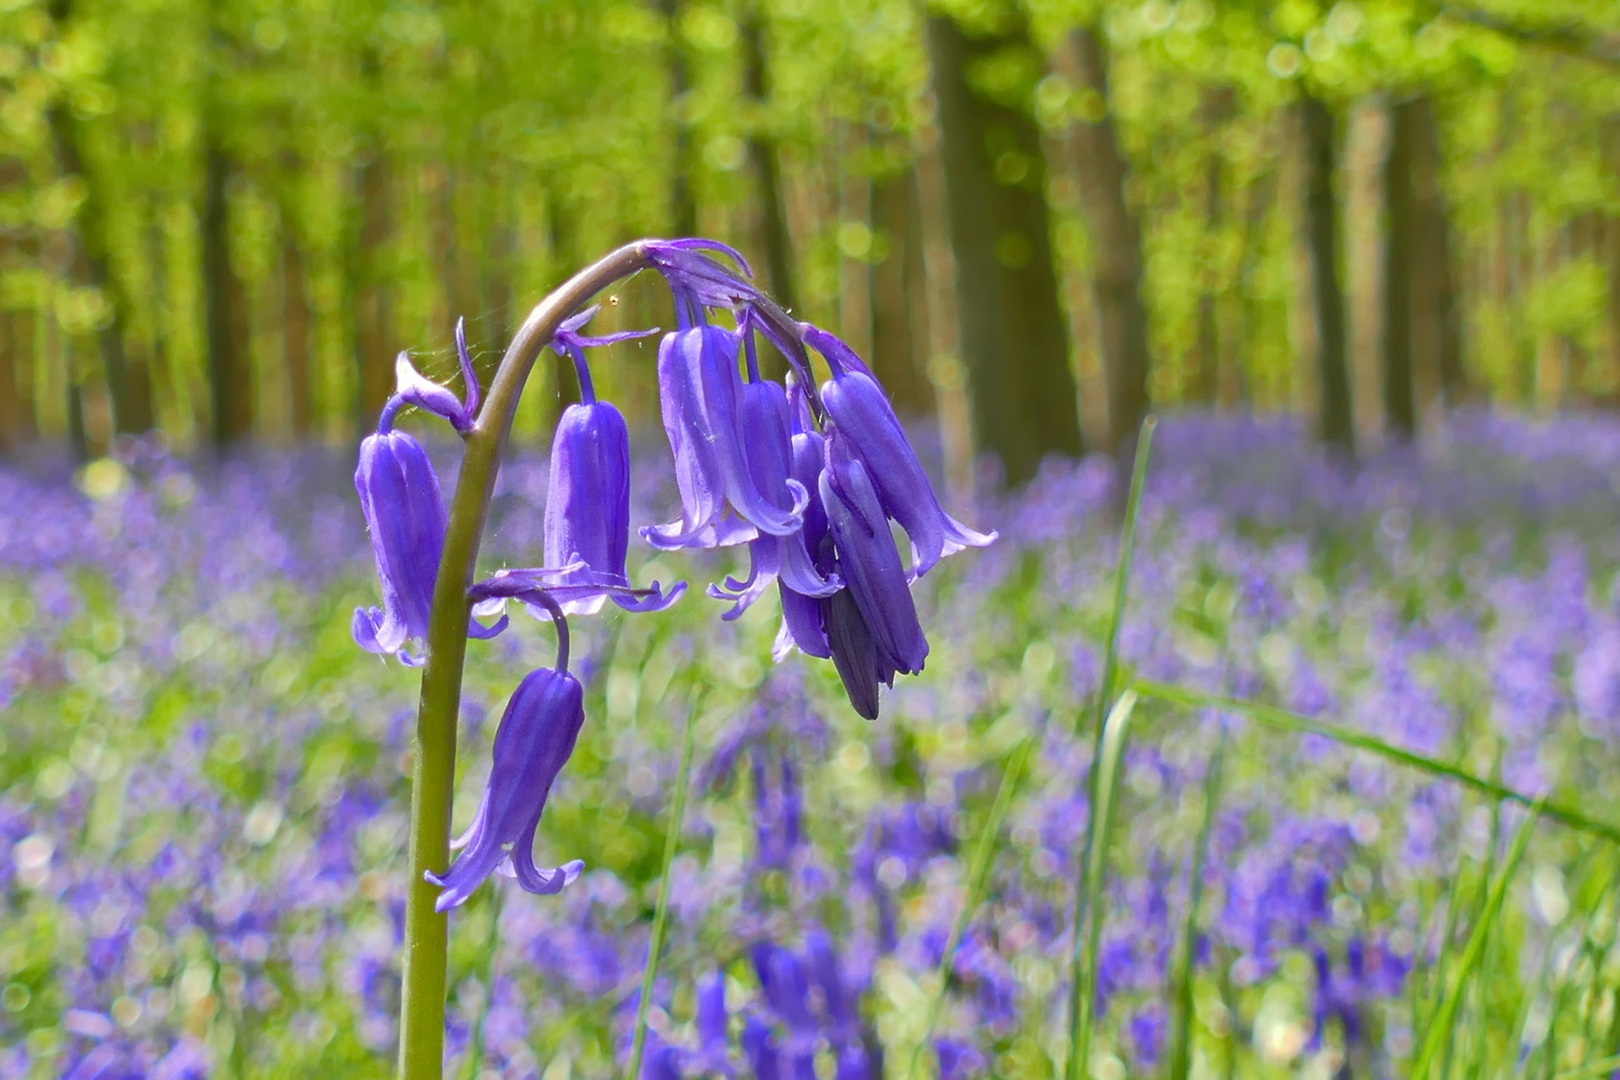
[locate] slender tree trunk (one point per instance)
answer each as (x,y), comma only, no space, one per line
(1335,421)
(1234,384)
(373,303)
(225,315)
(898,299)
(1012,330)
(1401,247)
(1101,172)
(17,246)
(1215,109)
(296,323)
(128,383)
(765,168)
(1436,324)
(683,205)
(854,215)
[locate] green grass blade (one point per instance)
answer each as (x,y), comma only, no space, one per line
(1083,962)
(1592,1070)
(1104,702)
(1288,721)
(979,873)
(1181,979)
(1122,577)
(671,840)
(1438,1036)
(475,1041)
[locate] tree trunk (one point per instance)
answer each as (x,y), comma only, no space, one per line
(1101,172)
(1401,247)
(1436,326)
(1215,109)
(296,320)
(225,316)
(776,241)
(898,296)
(18,425)
(683,206)
(373,299)
(128,383)
(1012,330)
(1334,419)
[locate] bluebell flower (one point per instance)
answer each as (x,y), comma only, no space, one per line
(587,522)
(535,740)
(405,515)
(872,626)
(802,624)
(768,450)
(858,407)
(759,1047)
(700,395)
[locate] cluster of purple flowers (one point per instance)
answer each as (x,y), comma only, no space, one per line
(812,503)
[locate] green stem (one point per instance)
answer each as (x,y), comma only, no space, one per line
(1181,983)
(1282,718)
(977,876)
(475,1042)
(672,837)
(1105,701)
(422,1001)
(1440,1029)
(1083,965)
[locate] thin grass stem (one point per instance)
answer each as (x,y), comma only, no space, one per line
(672,837)
(1288,721)
(1438,1036)
(1104,702)
(1182,979)
(1083,965)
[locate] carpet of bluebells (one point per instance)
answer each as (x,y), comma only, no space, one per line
(203,783)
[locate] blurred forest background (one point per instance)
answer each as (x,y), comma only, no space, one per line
(222,218)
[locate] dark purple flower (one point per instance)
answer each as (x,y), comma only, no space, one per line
(769,452)
(588,508)
(801,614)
(860,410)
(759,1047)
(700,394)
(533,743)
(870,567)
(404,511)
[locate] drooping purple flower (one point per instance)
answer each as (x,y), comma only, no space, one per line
(404,512)
(760,1048)
(870,565)
(802,624)
(535,740)
(857,405)
(588,509)
(700,395)
(769,452)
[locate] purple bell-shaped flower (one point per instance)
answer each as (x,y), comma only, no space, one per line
(404,512)
(874,581)
(769,450)
(701,397)
(587,522)
(535,740)
(858,406)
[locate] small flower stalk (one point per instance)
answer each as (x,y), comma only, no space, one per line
(807,476)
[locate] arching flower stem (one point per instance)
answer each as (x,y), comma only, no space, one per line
(422,1005)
